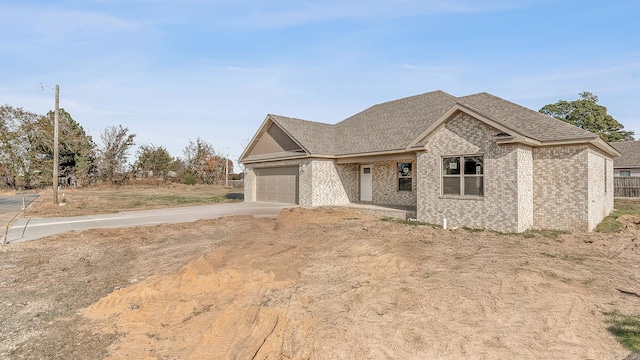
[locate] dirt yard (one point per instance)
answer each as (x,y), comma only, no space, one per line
(316,284)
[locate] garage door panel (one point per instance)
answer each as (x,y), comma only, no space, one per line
(278,184)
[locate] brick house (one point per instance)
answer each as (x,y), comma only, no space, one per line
(628,164)
(477,161)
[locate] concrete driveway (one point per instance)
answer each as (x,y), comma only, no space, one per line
(36,228)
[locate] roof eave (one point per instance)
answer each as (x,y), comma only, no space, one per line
(261,130)
(604,146)
(597,142)
(290,157)
(374,153)
(518,140)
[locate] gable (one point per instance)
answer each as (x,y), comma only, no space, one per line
(456,111)
(274,140)
(462,134)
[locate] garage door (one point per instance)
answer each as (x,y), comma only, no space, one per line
(277,184)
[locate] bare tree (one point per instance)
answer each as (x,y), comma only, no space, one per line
(114,151)
(200,160)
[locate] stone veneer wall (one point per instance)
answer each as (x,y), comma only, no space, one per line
(561,187)
(385,184)
(500,207)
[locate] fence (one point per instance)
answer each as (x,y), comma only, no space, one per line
(626,186)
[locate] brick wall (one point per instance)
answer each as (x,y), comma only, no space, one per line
(600,201)
(561,176)
(328,184)
(385,184)
(501,206)
(349,177)
(249,184)
(525,188)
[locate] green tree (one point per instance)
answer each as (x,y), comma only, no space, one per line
(586,113)
(114,151)
(154,160)
(76,149)
(26,148)
(17,165)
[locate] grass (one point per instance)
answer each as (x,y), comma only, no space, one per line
(550,234)
(111,199)
(626,329)
(410,222)
(137,200)
(610,224)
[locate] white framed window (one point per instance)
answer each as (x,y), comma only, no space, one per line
(625,173)
(463,175)
(405,176)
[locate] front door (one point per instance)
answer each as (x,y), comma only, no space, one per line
(366,183)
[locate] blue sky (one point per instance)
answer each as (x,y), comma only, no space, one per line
(174,70)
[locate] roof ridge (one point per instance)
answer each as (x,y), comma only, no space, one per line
(412,97)
(388,103)
(297,119)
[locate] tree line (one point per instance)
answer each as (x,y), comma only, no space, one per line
(26,154)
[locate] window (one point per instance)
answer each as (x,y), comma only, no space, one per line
(625,173)
(405,176)
(463,176)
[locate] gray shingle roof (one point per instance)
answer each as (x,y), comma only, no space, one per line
(391,125)
(630,151)
(395,124)
(317,138)
(527,122)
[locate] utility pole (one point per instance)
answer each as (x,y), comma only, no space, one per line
(226,172)
(55,147)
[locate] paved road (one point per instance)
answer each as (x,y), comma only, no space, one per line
(36,228)
(13,204)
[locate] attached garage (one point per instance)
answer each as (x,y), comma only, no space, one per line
(278,184)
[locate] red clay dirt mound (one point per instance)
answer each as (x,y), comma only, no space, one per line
(337,284)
